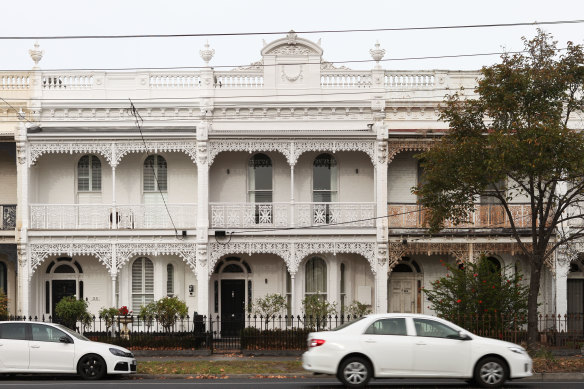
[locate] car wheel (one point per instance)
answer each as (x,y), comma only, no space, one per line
(91,367)
(355,372)
(490,372)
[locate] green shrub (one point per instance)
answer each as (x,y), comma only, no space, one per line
(69,311)
(357,309)
(317,309)
(3,306)
(480,293)
(109,316)
(166,310)
(269,306)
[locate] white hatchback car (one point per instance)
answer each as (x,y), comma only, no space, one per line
(32,347)
(408,345)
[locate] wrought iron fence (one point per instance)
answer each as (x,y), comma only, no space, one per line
(254,332)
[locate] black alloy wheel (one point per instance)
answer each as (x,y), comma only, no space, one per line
(91,367)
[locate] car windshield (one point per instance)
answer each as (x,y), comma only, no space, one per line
(71,332)
(345,325)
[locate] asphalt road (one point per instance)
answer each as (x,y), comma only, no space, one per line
(247,383)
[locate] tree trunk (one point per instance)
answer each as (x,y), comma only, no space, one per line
(532,314)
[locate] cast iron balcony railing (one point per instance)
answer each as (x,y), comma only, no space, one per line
(274,215)
(107,216)
(8,221)
(484,216)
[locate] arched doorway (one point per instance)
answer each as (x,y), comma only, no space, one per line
(232,289)
(63,279)
(404,287)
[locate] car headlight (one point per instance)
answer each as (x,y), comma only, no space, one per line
(120,353)
(517,349)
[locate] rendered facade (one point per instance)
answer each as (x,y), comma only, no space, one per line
(277,178)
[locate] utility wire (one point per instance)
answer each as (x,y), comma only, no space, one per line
(138,120)
(261,65)
(185,35)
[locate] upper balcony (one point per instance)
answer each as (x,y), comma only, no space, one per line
(286,215)
(109,216)
(491,216)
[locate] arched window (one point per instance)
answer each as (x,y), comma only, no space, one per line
(315,277)
(155,172)
(260,187)
(89,174)
(169,280)
(495,264)
(3,278)
(324,179)
(142,282)
(260,179)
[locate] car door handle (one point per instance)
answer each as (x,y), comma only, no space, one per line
(420,344)
(370,341)
(35,346)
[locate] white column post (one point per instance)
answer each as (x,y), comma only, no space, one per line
(292,206)
(202,267)
(202,274)
(114,274)
(23,296)
(293,294)
(114,211)
(561,289)
(381,267)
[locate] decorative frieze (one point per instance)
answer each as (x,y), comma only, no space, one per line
(113,152)
(292,252)
(186,251)
(395,148)
(41,251)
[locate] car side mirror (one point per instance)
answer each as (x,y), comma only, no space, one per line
(64,339)
(463,336)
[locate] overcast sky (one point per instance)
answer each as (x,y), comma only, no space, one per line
(114,17)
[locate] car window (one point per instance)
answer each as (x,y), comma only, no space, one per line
(349,323)
(434,329)
(43,333)
(15,331)
(71,332)
(394,326)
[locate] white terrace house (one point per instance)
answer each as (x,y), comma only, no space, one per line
(270,178)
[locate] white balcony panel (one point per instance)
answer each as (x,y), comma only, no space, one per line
(106,216)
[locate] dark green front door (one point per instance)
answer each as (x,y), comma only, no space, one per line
(60,289)
(232,306)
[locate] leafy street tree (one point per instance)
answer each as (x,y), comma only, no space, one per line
(515,142)
(480,293)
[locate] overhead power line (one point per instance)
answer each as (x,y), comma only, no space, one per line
(221,34)
(261,65)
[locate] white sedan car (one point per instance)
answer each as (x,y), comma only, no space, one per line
(31,347)
(407,345)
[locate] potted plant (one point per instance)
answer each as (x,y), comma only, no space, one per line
(124,319)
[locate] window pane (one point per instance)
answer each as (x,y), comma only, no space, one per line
(315,276)
(95,174)
(161,173)
(42,333)
(434,329)
(13,331)
(395,326)
(169,280)
(149,174)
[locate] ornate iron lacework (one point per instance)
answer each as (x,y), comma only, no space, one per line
(395,148)
(186,251)
(41,251)
(292,150)
(113,152)
(292,252)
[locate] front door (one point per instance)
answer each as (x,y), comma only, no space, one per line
(232,306)
(401,294)
(62,288)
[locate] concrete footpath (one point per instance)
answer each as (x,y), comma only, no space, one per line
(573,376)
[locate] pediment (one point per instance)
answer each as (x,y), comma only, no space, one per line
(292,45)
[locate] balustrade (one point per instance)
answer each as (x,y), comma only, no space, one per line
(8,220)
(483,216)
(175,81)
(409,80)
(107,216)
(345,79)
(261,215)
(67,81)
(239,80)
(14,81)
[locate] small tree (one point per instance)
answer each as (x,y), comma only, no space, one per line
(269,305)
(317,308)
(168,310)
(357,309)
(3,306)
(69,311)
(480,293)
(109,316)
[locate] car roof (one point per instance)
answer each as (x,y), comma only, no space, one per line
(412,315)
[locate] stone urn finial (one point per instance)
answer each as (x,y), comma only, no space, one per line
(207,53)
(377,54)
(291,37)
(36,54)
